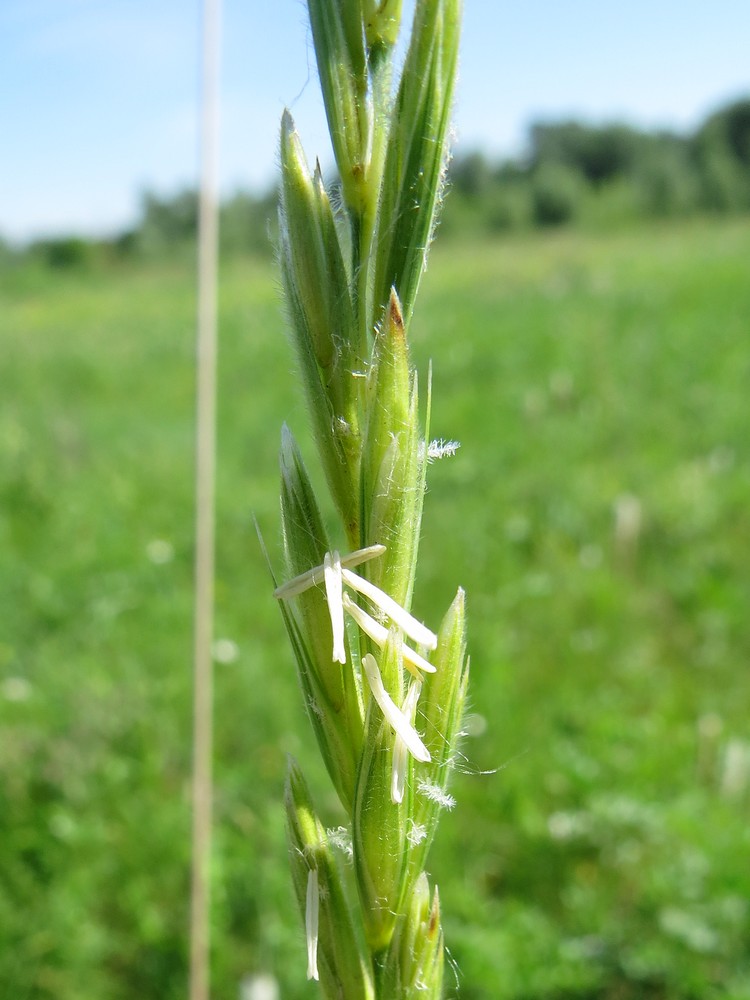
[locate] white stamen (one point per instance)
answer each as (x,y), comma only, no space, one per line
(398,773)
(332,575)
(414,629)
(311,923)
(313,577)
(442,449)
(379,635)
(393,714)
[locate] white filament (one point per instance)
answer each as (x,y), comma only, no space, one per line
(379,635)
(311,923)
(398,773)
(414,629)
(393,714)
(332,575)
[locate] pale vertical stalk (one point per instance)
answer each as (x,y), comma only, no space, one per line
(205,463)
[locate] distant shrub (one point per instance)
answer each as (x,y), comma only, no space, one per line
(167,223)
(66,252)
(248,223)
(556,194)
(597,153)
(724,185)
(666,180)
(7,253)
(509,206)
(722,152)
(471,175)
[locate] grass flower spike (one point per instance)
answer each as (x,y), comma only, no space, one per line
(384,692)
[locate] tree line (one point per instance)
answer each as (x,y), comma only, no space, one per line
(571,173)
(607,174)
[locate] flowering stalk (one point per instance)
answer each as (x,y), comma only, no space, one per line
(384,693)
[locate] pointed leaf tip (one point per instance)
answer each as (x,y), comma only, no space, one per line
(395,315)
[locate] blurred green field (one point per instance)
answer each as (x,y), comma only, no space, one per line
(598,516)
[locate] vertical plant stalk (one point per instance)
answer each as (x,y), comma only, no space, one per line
(384,693)
(205,461)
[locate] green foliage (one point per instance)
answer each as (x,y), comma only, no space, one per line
(604,176)
(65,252)
(665,180)
(471,175)
(167,222)
(722,151)
(556,193)
(247,224)
(598,153)
(597,515)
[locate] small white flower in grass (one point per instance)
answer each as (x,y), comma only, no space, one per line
(259,986)
(16,689)
(160,551)
(225,650)
(379,635)
(332,576)
(311,923)
(393,714)
(398,773)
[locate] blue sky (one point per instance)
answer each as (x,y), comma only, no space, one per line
(98,98)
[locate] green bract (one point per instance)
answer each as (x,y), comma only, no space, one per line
(319,304)
(340,958)
(392,481)
(414,967)
(339,49)
(383,692)
(332,696)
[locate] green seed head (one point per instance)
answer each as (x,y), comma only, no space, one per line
(384,694)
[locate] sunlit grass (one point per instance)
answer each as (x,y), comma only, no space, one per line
(608,672)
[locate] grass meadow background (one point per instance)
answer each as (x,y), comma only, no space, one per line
(598,516)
